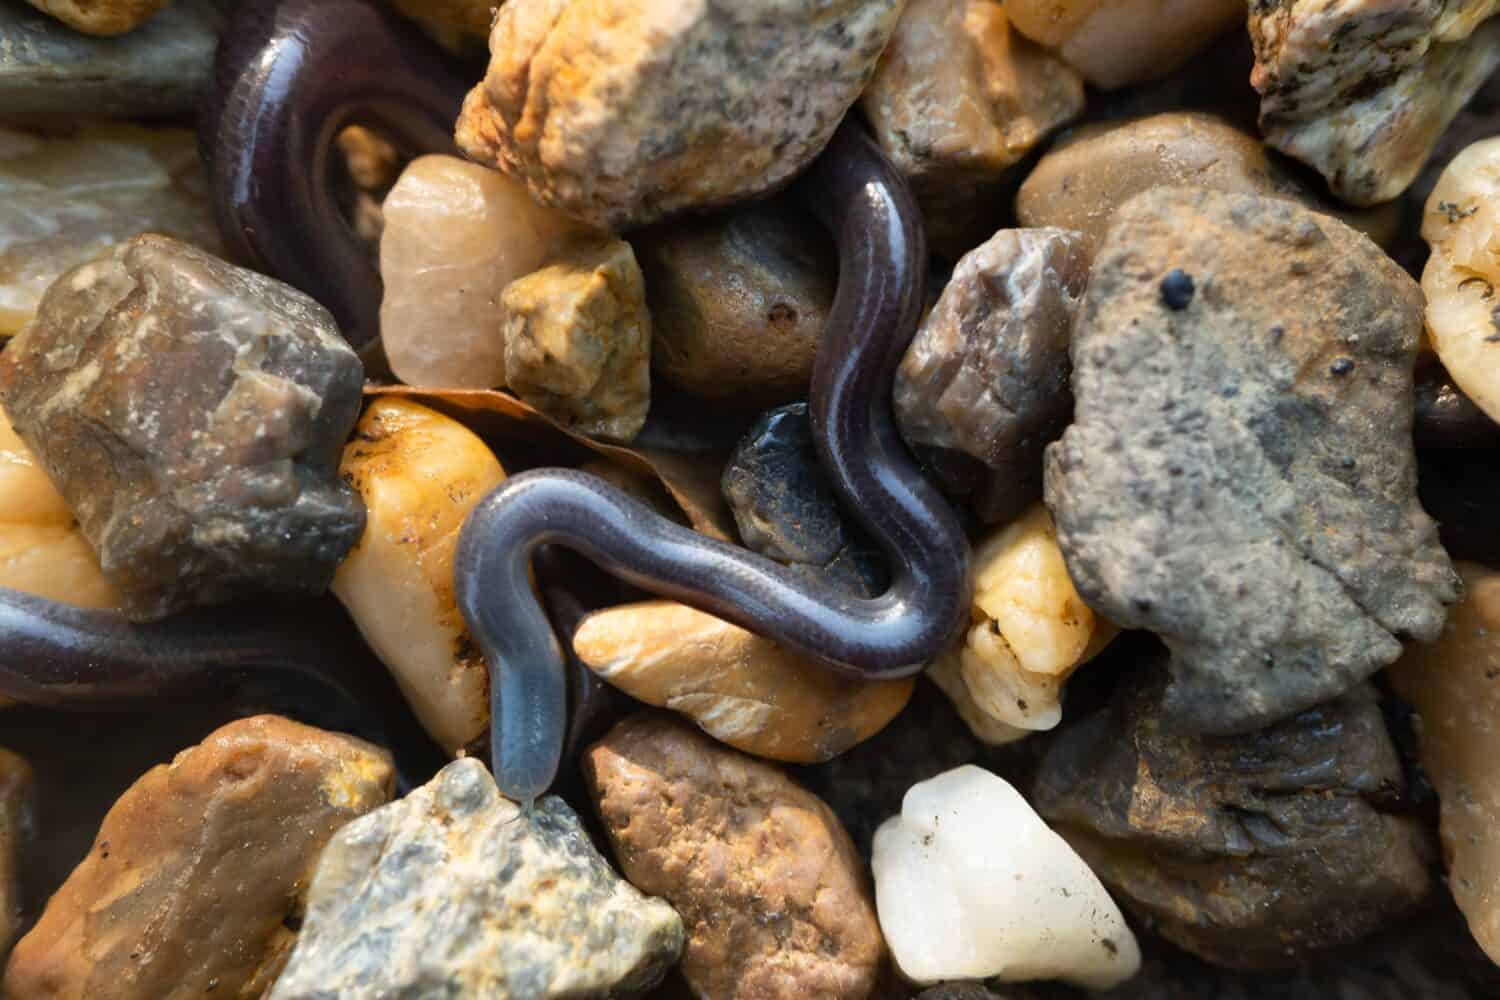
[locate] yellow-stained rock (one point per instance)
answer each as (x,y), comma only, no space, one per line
(100,17)
(15,785)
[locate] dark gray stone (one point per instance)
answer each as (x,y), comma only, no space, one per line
(191,413)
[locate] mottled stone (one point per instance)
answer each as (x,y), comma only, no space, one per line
(419,474)
(620,112)
(454,891)
(784,505)
(959,899)
(773,895)
(1252,851)
(196,870)
(740,688)
(191,413)
(987,373)
(739,300)
(1118,42)
(66,201)
(1454,685)
(1362,90)
(159,69)
(578,340)
(15,788)
(957,99)
(455,235)
(1239,476)
(100,17)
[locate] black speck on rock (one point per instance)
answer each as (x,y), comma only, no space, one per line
(1177,289)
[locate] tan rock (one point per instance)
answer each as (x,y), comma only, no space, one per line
(578,339)
(1362,91)
(196,868)
(773,895)
(455,235)
(66,201)
(15,787)
(1454,684)
(958,97)
(1118,42)
(738,687)
(100,17)
(419,474)
(622,111)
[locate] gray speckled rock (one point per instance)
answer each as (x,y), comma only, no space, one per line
(1239,477)
(454,892)
(987,373)
(47,68)
(191,413)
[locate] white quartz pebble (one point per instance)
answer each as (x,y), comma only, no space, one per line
(971,884)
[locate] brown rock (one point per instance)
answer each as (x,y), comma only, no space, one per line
(740,688)
(578,340)
(619,112)
(100,17)
(1252,851)
(958,97)
(187,888)
(767,882)
(1454,684)
(987,373)
(739,300)
(15,786)
(191,413)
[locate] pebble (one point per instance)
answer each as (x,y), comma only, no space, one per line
(15,790)
(1254,851)
(972,884)
(739,688)
(987,373)
(774,898)
(455,891)
(455,235)
(50,71)
(191,413)
(1361,91)
(1118,42)
(92,17)
(621,112)
(419,474)
(738,301)
(197,869)
(958,99)
(1462,225)
(66,201)
(578,340)
(1453,686)
(1223,484)
(784,505)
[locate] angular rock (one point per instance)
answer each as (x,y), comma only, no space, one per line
(1118,42)
(620,112)
(1252,851)
(419,474)
(197,868)
(1239,476)
(160,69)
(66,201)
(1361,91)
(959,900)
(738,301)
(578,340)
(767,882)
(455,235)
(740,688)
(784,505)
(455,891)
(15,787)
(987,373)
(191,413)
(957,99)
(92,17)
(1454,685)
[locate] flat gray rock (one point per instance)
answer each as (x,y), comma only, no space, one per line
(1240,477)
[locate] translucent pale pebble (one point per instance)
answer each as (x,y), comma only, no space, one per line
(1462,278)
(971,884)
(455,235)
